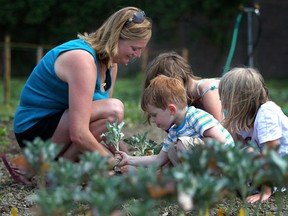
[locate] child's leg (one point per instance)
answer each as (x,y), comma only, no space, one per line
(187,143)
(263,197)
(173,157)
(183,144)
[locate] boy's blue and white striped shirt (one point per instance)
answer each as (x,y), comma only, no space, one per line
(196,122)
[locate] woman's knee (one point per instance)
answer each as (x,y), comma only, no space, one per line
(116,110)
(111,110)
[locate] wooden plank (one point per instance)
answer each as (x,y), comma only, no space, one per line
(7,68)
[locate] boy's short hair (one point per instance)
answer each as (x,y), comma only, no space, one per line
(163,91)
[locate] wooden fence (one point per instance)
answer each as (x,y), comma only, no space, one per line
(8,45)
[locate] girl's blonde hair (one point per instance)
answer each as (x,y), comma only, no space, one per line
(163,91)
(105,39)
(173,65)
(242,91)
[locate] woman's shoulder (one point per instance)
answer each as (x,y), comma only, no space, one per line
(208,82)
(75,46)
(204,85)
(76,56)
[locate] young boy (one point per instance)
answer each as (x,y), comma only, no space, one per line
(165,103)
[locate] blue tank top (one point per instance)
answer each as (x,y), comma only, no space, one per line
(45,94)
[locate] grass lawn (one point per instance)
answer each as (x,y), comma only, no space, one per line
(129,91)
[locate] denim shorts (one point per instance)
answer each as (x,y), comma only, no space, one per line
(44,129)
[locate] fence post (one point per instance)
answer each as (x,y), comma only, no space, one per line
(144,63)
(7,68)
(39,53)
(185,53)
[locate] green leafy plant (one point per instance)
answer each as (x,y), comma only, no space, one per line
(206,176)
(3,136)
(213,172)
(40,156)
(114,134)
(143,145)
(88,182)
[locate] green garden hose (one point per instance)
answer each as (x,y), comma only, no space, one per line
(233,43)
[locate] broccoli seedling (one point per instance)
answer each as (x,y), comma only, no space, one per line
(113,135)
(142,145)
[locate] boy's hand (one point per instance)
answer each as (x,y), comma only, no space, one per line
(112,162)
(123,157)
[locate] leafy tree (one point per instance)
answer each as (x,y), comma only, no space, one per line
(54,21)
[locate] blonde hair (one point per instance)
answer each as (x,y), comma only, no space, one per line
(105,39)
(173,65)
(242,91)
(163,91)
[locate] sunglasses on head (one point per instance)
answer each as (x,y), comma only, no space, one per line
(138,17)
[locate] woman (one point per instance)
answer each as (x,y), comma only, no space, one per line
(68,96)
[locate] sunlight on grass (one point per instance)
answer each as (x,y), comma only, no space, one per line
(7,110)
(129,91)
(278,91)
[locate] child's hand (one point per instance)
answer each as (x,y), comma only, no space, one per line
(128,169)
(123,157)
(112,162)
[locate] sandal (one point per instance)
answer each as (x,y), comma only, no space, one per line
(20,176)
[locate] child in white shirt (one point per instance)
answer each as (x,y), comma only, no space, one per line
(251,115)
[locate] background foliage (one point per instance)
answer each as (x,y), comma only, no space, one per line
(54,21)
(204,27)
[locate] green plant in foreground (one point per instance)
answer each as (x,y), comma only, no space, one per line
(114,135)
(89,182)
(213,172)
(206,176)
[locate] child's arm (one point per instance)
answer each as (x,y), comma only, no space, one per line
(272,144)
(159,160)
(214,133)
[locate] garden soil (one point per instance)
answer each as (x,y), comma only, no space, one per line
(13,195)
